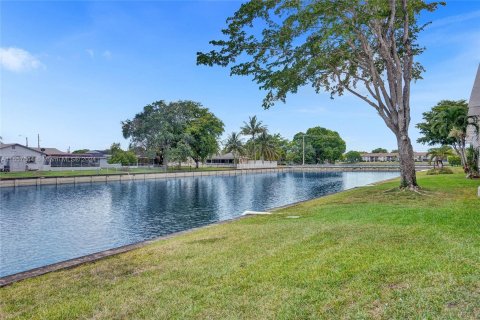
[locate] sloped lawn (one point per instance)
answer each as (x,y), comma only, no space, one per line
(373,252)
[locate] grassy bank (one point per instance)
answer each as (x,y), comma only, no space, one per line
(94,172)
(373,252)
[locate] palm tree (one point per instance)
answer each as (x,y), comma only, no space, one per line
(439,154)
(268,149)
(453,122)
(234,145)
(253,128)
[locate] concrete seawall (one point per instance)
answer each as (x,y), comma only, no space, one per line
(39,181)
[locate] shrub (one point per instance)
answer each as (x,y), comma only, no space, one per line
(454,161)
(439,171)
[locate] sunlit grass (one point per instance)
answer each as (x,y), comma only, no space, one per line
(94,172)
(374,253)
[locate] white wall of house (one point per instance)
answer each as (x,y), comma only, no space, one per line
(20,158)
(258,164)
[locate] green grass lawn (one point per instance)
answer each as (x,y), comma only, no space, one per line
(368,253)
(94,172)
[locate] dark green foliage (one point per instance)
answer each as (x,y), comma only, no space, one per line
(125,158)
(321,145)
(447,124)
(295,151)
(438,155)
(366,48)
(165,130)
(204,129)
(234,144)
(253,128)
(80,151)
(380,150)
(454,161)
(267,146)
(295,43)
(352,156)
(472,162)
(440,120)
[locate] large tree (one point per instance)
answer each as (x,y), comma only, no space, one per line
(366,48)
(204,129)
(326,144)
(166,129)
(446,124)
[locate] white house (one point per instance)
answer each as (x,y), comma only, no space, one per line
(15,157)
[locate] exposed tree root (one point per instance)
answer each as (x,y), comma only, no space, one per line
(415,189)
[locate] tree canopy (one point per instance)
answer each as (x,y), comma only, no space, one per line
(352,156)
(125,158)
(253,128)
(366,48)
(446,124)
(175,131)
(379,150)
(234,144)
(321,145)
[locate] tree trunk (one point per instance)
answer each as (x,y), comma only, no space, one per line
(407,162)
(196,163)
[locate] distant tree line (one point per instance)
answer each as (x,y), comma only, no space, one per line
(181,130)
(316,145)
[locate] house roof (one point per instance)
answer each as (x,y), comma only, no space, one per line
(226,156)
(6,145)
(98,152)
(54,152)
(51,151)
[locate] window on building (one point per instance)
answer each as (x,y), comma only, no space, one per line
(30,159)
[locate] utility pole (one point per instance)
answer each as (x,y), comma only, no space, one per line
(38,140)
(26,141)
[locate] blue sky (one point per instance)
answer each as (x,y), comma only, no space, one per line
(72,71)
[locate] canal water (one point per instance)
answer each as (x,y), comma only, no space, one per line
(48,224)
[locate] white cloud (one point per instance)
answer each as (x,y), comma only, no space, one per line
(107,54)
(18,60)
(456,19)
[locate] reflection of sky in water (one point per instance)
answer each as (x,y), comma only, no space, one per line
(43,225)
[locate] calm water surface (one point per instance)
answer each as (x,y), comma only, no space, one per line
(48,224)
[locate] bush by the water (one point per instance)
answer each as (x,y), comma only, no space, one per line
(439,171)
(454,161)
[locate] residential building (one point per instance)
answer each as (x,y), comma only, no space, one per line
(391,157)
(16,157)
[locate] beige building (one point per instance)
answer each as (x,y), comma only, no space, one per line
(391,157)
